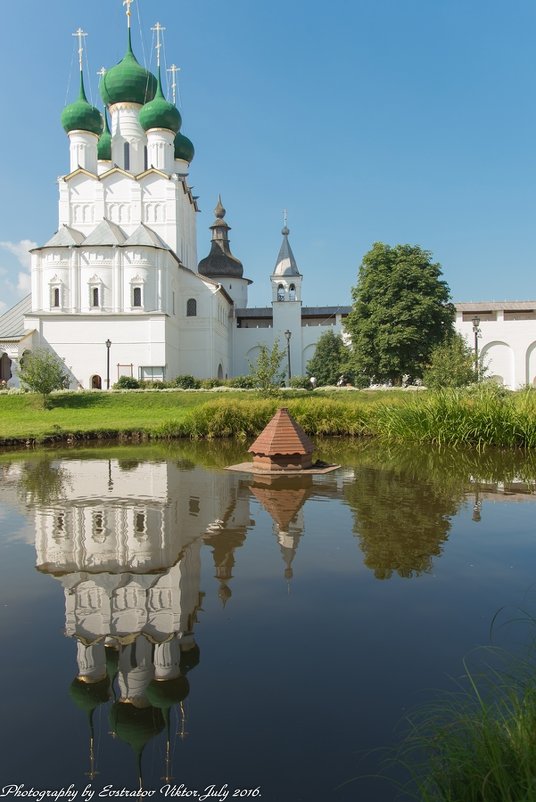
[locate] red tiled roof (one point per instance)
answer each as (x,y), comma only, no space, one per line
(282,435)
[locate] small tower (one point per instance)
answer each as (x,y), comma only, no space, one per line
(286,278)
(161,121)
(82,122)
(184,149)
(125,88)
(104,148)
(286,303)
(220,265)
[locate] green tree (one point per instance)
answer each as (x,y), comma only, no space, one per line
(452,364)
(330,359)
(401,311)
(266,371)
(42,372)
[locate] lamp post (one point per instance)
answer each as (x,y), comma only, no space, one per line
(108,345)
(288,335)
(476,332)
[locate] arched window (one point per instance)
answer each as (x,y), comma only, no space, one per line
(126,155)
(136,296)
(95,296)
(280,293)
(145,158)
(191,307)
(292,293)
(56,297)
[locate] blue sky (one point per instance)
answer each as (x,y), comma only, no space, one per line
(369,120)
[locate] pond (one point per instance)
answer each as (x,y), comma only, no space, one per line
(223,636)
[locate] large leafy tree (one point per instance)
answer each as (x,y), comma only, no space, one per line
(401,311)
(330,359)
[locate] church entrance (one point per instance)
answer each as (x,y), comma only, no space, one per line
(5,369)
(96,383)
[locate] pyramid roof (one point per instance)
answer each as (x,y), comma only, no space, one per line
(106,233)
(282,435)
(144,235)
(64,237)
(286,263)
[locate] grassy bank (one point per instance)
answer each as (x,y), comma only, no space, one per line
(477,418)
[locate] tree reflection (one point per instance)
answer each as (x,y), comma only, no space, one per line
(41,482)
(401,524)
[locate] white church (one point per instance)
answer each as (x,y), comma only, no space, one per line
(118,289)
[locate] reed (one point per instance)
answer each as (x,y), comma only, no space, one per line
(476,744)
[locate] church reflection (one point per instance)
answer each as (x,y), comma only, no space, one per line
(124,539)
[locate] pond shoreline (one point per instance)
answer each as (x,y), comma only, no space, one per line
(479,417)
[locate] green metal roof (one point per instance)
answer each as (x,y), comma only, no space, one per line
(160,113)
(184,148)
(128,81)
(104,148)
(81,115)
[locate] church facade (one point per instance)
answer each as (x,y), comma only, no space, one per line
(118,289)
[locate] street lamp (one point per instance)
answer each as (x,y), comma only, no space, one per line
(108,345)
(476,332)
(288,335)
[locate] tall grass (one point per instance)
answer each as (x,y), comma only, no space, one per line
(455,417)
(477,744)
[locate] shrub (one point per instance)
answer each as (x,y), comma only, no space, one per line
(127,383)
(266,371)
(242,382)
(186,382)
(42,372)
(301,383)
(209,384)
(451,364)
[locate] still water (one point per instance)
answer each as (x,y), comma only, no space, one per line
(226,637)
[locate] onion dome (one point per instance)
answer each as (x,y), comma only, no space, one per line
(160,113)
(89,695)
(128,81)
(220,262)
(136,725)
(163,694)
(81,115)
(189,658)
(104,147)
(184,148)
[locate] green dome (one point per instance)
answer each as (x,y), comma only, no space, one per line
(164,694)
(160,113)
(81,115)
(136,725)
(104,147)
(128,81)
(89,695)
(184,148)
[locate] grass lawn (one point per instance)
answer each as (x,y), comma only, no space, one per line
(22,417)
